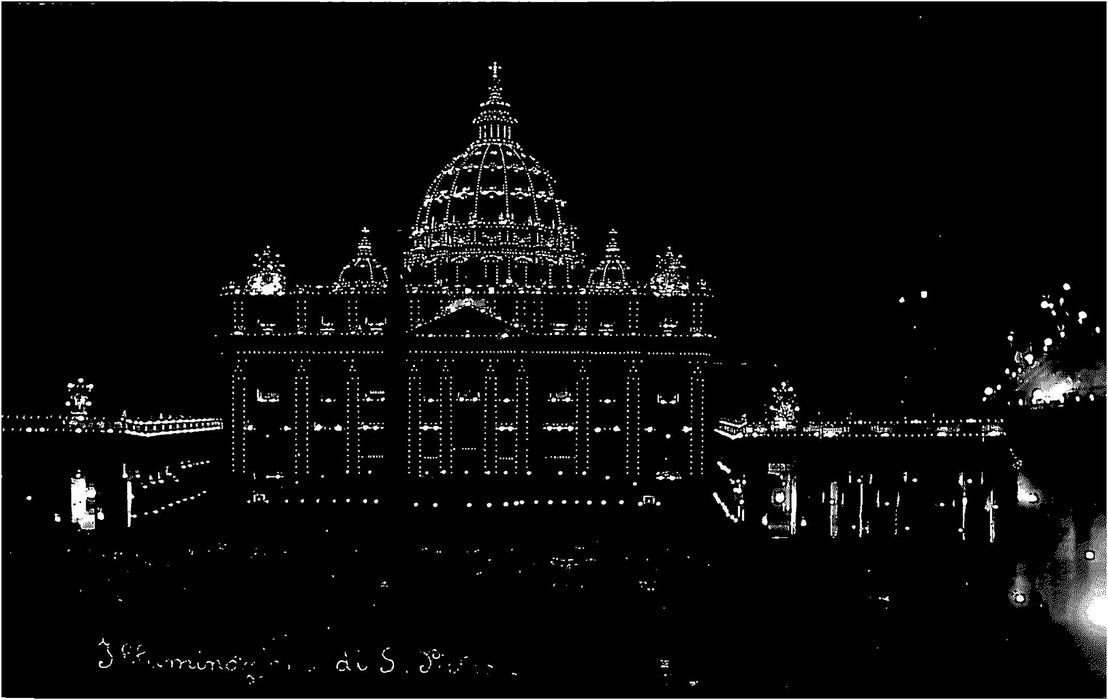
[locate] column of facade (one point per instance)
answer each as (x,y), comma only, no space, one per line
(414,317)
(352,429)
(633,420)
(352,325)
(301,315)
(696,419)
(446,417)
(238,316)
(301,429)
(488,426)
(521,314)
(238,417)
(415,454)
(582,410)
(522,432)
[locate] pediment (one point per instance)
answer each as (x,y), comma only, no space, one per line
(467,321)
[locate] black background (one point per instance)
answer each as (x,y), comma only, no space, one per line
(812,162)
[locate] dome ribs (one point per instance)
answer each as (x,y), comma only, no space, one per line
(453,193)
(477,188)
(507,196)
(500,224)
(531,183)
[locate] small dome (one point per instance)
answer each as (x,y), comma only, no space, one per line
(612,272)
(363,271)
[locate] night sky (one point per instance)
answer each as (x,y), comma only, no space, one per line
(813,163)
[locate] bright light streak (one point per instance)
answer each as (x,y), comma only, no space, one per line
(1098,611)
(1025,492)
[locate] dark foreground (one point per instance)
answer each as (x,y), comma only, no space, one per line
(322,604)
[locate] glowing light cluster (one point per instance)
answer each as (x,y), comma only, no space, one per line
(79,401)
(268,277)
(670,279)
(1062,363)
(783,408)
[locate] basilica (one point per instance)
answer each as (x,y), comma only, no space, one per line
(504,354)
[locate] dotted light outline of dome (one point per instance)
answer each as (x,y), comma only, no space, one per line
(505,145)
(479,150)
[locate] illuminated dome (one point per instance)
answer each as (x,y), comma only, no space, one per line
(492,182)
(363,271)
(611,272)
(493,202)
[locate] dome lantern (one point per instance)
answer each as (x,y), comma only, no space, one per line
(495,122)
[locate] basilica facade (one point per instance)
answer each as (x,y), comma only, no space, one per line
(499,354)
